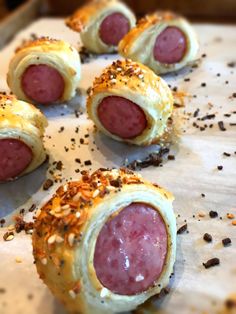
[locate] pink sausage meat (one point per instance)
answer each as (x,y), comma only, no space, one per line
(170,46)
(121,117)
(131,250)
(113,28)
(42,83)
(15,158)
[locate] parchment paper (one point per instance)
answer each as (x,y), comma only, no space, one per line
(193,289)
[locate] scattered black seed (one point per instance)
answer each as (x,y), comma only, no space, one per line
(207,237)
(2,290)
(2,222)
(227,115)
(213,214)
(153,159)
(221,126)
(211,262)
(47,184)
(204,55)
(116,183)
(208,117)
(203,195)
(220,168)
(59,165)
(32,208)
(232,124)
(196,113)
(226,242)
(88,163)
(218,74)
(187,79)
(203,84)
(77,113)
(66,149)
(231,64)
(61,129)
(86,56)
(77,170)
(81,141)
(78,160)
(182,229)
(230,304)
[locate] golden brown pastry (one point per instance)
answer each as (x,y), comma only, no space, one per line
(130,103)
(163,41)
(102,24)
(106,243)
(21,138)
(44,71)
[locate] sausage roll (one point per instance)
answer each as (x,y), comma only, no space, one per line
(102,24)
(129,103)
(163,41)
(107,243)
(44,71)
(21,138)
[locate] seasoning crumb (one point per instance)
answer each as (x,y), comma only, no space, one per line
(220,168)
(201,214)
(182,229)
(8,236)
(234,222)
(211,262)
(226,242)
(207,237)
(230,216)
(18,260)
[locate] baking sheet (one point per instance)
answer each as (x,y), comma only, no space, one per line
(193,289)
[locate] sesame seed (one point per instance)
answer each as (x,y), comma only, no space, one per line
(77,197)
(38,212)
(71,239)
(95,193)
(65,207)
(52,239)
(44,261)
(59,239)
(72,294)
(77,215)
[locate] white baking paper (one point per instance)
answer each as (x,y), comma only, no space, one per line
(193,289)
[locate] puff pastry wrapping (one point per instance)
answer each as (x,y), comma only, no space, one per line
(139,43)
(56,54)
(22,121)
(137,83)
(66,230)
(87,21)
